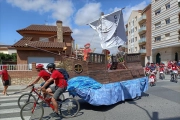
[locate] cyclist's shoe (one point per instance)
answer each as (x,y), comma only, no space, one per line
(54,114)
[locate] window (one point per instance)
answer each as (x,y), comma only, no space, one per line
(156,0)
(135,29)
(158,11)
(129,50)
(167,21)
(136,18)
(44,39)
(129,41)
(132,40)
(135,49)
(167,36)
(78,68)
(158,25)
(179,3)
(135,38)
(167,6)
(158,38)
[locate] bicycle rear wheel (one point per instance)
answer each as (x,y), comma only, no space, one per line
(32,111)
(25,98)
(69,107)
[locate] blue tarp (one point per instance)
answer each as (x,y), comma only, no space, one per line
(98,94)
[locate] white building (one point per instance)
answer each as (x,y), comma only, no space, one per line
(132,27)
(165,30)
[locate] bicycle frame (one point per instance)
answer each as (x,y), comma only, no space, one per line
(47,101)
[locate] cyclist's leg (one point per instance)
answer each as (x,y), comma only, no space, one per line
(55,97)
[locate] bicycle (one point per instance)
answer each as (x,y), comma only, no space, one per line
(174,75)
(65,107)
(29,97)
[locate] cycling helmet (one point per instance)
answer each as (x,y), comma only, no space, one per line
(51,65)
(39,66)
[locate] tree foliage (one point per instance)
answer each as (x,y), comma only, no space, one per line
(8,57)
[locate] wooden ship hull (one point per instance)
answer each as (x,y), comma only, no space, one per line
(96,68)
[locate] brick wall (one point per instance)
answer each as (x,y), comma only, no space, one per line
(22,55)
(23,77)
(97,71)
(148,31)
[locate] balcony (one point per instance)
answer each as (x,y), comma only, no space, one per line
(142,30)
(142,51)
(142,41)
(142,19)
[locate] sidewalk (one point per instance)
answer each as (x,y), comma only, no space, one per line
(14,88)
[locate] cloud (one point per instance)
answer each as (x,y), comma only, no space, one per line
(129,9)
(87,35)
(91,12)
(60,9)
(88,13)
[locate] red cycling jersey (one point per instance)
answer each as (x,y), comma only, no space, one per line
(59,79)
(5,75)
(161,69)
(174,67)
(44,74)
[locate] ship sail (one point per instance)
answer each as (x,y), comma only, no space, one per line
(111,29)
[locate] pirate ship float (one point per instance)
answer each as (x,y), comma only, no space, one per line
(98,85)
(92,81)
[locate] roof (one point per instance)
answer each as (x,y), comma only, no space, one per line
(47,28)
(39,44)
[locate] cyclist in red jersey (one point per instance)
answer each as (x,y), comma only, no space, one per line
(42,74)
(58,89)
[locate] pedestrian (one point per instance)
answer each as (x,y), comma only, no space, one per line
(5,79)
(179,63)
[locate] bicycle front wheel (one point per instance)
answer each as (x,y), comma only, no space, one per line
(32,111)
(25,98)
(69,107)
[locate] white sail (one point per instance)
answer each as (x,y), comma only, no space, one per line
(110,29)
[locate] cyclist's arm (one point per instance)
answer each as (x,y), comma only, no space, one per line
(35,81)
(47,83)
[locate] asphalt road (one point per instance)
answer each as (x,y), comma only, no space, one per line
(160,102)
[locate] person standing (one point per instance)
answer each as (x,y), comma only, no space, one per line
(86,50)
(121,54)
(5,79)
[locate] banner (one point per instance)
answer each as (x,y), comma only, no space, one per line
(110,29)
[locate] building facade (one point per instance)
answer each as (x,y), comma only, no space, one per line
(138,30)
(165,30)
(132,27)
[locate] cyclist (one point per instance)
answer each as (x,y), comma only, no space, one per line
(58,89)
(42,74)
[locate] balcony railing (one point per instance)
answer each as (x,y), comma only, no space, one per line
(142,19)
(142,30)
(18,67)
(142,40)
(142,51)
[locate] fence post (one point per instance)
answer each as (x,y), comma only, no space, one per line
(33,66)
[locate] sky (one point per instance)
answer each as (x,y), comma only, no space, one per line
(18,14)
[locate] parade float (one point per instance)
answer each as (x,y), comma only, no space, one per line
(101,78)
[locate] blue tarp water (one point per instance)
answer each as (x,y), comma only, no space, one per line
(98,94)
